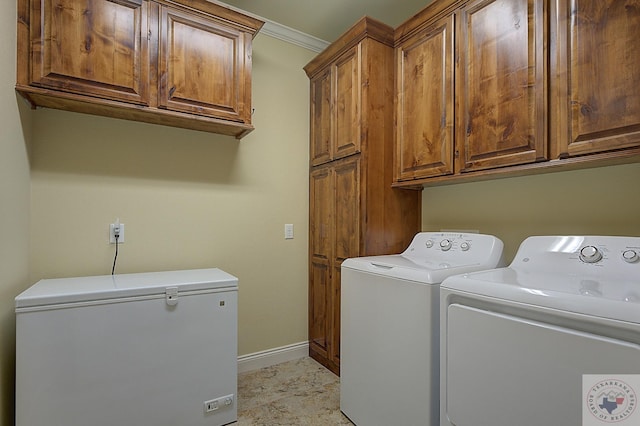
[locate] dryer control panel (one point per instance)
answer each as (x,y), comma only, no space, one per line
(596,266)
(608,254)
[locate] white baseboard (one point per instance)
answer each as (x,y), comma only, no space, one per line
(258,360)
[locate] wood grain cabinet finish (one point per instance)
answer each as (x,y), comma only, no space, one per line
(471,88)
(501,84)
(334,112)
(334,230)
(88,47)
(425,103)
(183,63)
(597,76)
(538,85)
(353,210)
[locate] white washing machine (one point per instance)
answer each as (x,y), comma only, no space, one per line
(516,341)
(390,327)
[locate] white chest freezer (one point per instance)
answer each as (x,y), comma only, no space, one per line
(150,349)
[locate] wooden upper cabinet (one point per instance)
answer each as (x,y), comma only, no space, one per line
(424,102)
(501,83)
(183,63)
(203,66)
(597,67)
(335,117)
(91,47)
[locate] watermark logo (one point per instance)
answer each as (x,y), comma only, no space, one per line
(610,399)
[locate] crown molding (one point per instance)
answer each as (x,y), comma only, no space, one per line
(284,33)
(293,36)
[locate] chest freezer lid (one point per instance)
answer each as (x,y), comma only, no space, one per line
(105,287)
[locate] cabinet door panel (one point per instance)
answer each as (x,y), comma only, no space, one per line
(424,132)
(502,97)
(334,346)
(320,238)
(347,99)
(347,208)
(599,75)
(319,306)
(202,67)
(321,118)
(91,47)
(347,237)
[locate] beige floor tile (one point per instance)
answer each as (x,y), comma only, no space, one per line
(300,393)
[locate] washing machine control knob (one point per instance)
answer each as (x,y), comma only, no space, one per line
(590,254)
(630,256)
(429,243)
(465,246)
(445,244)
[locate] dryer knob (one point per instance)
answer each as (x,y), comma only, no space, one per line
(429,243)
(630,256)
(590,254)
(465,246)
(445,244)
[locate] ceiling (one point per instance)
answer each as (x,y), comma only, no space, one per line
(328,19)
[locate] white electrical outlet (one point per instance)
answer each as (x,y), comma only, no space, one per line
(112,232)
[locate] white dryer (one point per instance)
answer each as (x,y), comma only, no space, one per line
(516,341)
(390,328)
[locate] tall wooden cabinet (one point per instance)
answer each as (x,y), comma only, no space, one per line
(353,209)
(184,63)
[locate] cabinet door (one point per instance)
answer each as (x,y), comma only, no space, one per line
(598,71)
(347,238)
(91,47)
(501,82)
(424,107)
(204,67)
(320,253)
(321,118)
(347,99)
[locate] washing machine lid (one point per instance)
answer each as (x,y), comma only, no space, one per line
(398,266)
(433,256)
(49,292)
(553,272)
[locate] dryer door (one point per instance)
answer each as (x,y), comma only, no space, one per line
(504,371)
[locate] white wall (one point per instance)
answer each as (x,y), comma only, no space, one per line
(14,206)
(598,201)
(188,199)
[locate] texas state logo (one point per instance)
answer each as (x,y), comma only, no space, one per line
(610,399)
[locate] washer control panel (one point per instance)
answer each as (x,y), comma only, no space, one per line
(454,248)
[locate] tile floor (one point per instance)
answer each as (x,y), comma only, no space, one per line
(299,392)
